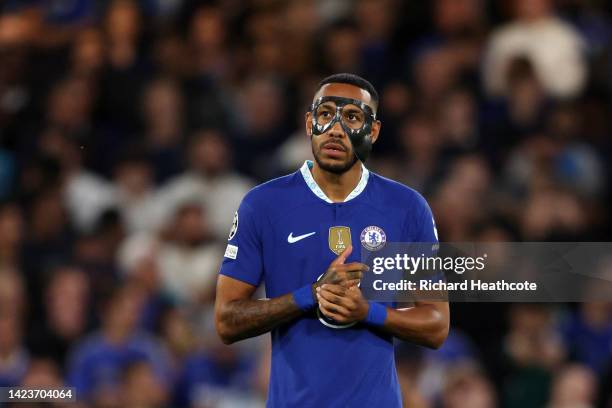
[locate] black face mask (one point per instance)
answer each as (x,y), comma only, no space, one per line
(354,116)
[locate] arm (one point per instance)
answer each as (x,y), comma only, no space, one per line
(238,317)
(425,324)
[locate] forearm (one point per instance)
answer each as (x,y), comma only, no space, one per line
(243,318)
(424,324)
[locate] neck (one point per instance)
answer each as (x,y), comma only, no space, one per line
(337,186)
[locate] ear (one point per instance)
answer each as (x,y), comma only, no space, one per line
(375,131)
(308,119)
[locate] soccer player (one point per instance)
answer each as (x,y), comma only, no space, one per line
(301,235)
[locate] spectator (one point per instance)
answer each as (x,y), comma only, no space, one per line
(552,213)
(66,317)
(16,34)
(376,22)
(95,253)
(574,386)
(456,201)
(164,120)
(123,76)
(457,352)
(131,129)
(534,351)
(435,71)
(14,357)
(467,386)
(69,113)
(458,123)
(96,364)
(11,234)
(134,191)
(342,48)
(554,48)
(208,40)
(221,375)
(141,387)
(188,260)
(49,239)
(209,180)
(263,124)
(66,140)
(43,373)
(420,144)
(520,115)
(88,54)
(587,334)
(13,299)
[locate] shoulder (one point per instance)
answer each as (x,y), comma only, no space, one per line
(395,193)
(563,30)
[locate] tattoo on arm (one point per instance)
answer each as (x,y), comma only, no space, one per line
(244,318)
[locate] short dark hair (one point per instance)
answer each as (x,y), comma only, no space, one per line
(351,79)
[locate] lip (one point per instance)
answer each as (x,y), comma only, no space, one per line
(333,154)
(333,147)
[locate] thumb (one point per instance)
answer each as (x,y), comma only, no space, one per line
(343,256)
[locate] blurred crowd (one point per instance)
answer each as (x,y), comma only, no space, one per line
(131,129)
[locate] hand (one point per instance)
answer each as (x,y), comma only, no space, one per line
(340,273)
(342,304)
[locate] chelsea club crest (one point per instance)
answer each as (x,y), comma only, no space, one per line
(373,238)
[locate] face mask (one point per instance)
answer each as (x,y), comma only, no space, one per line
(354,116)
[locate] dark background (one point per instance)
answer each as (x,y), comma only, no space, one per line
(130,130)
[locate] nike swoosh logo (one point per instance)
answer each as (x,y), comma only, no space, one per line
(291,239)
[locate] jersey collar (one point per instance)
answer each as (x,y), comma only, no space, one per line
(314,187)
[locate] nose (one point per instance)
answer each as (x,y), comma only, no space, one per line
(336,131)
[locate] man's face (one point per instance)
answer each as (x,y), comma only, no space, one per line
(333,150)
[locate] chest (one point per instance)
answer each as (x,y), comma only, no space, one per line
(300,244)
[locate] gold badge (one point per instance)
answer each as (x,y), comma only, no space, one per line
(339,239)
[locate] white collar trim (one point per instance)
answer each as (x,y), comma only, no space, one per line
(314,187)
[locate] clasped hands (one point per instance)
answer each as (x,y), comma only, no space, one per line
(338,293)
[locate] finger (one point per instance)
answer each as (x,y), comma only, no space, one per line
(355,275)
(332,307)
(347,301)
(335,289)
(354,292)
(343,269)
(337,300)
(352,283)
(331,315)
(356,266)
(343,256)
(331,298)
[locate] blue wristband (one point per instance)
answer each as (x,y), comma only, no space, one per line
(377,314)
(304,298)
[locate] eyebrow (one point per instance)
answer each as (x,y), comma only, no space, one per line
(353,110)
(328,104)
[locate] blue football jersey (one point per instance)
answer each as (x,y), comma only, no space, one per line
(285,234)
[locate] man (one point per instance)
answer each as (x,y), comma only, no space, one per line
(330,346)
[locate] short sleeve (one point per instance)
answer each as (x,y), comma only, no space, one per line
(427,231)
(243,256)
(420,225)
